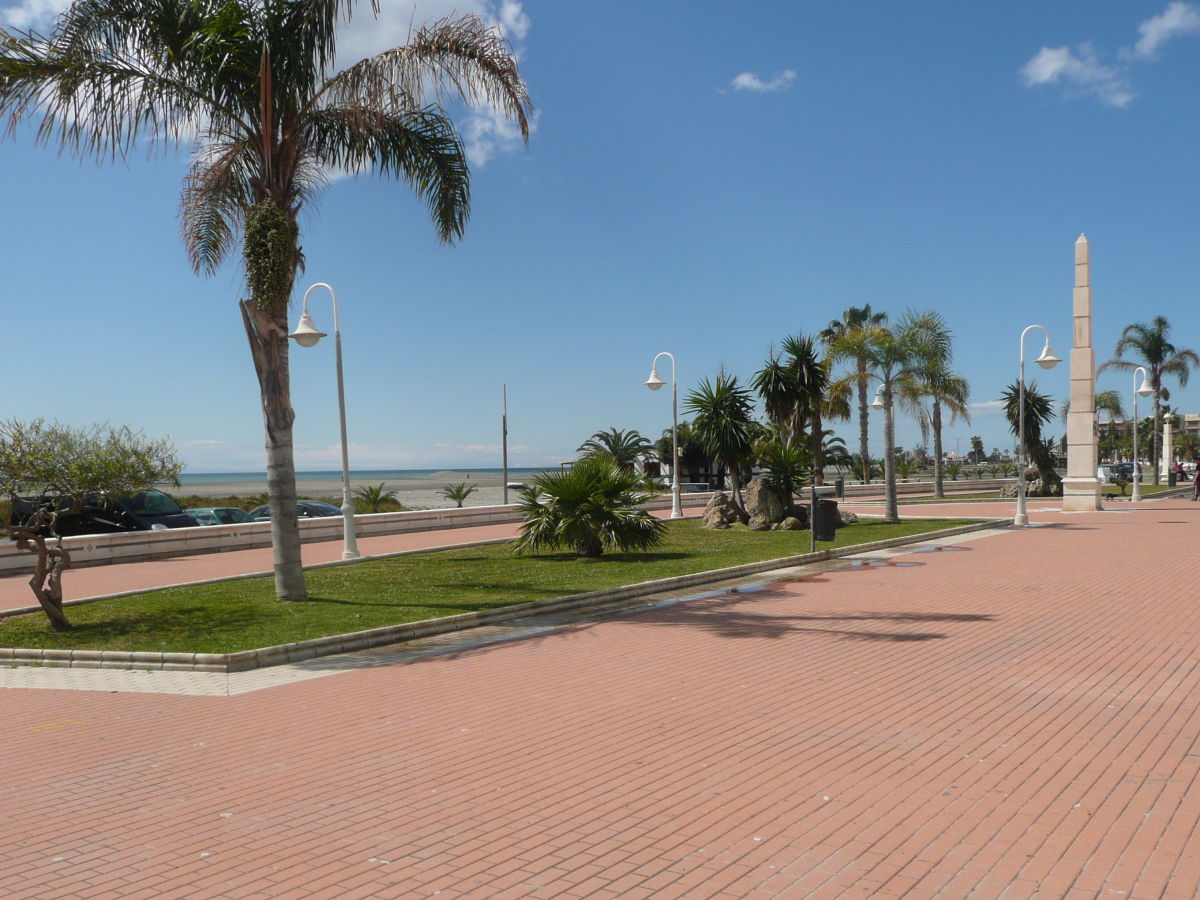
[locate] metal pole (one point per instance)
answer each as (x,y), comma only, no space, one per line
(812,518)
(504,438)
(676,506)
(349,539)
(1136,468)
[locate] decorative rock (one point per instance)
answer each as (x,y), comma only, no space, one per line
(763,504)
(848,518)
(790,523)
(720,512)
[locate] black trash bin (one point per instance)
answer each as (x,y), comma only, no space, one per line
(825,520)
(839,486)
(1172,478)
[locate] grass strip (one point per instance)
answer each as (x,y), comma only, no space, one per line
(229,616)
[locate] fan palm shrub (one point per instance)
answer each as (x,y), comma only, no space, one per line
(458,493)
(253,86)
(374,497)
(589,508)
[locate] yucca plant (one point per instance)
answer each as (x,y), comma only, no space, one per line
(589,508)
(458,493)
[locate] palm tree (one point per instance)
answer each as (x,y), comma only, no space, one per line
(590,507)
(843,337)
(1160,357)
(691,451)
(458,493)
(254,81)
(722,422)
(1039,410)
(943,389)
(624,448)
(895,357)
(374,497)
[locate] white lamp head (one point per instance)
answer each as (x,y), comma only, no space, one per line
(878,403)
(1145,390)
(654,382)
(1048,360)
(306,334)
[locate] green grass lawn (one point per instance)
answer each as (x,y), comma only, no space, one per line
(241,615)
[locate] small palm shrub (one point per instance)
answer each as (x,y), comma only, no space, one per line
(952,470)
(457,493)
(905,465)
(374,497)
(589,508)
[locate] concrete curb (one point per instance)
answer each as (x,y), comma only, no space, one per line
(261,657)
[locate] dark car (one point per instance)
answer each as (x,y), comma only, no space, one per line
(143,511)
(305,509)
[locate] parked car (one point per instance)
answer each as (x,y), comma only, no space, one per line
(306,509)
(219,515)
(143,511)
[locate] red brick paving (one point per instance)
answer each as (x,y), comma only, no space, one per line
(1019,718)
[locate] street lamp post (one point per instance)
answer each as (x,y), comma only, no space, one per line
(654,383)
(1145,391)
(1047,361)
(307,335)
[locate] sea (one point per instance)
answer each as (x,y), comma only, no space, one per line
(365,474)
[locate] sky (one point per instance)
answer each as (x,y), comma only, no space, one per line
(703,178)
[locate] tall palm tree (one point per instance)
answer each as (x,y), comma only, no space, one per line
(895,357)
(944,390)
(624,448)
(254,83)
(721,420)
(1039,410)
(1160,357)
(844,337)
(1110,402)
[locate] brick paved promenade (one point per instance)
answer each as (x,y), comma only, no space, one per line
(1016,717)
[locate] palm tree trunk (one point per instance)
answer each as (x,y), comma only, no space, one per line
(863,422)
(735,483)
(891,510)
(938,488)
(267,334)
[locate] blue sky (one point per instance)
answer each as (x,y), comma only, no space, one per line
(703,178)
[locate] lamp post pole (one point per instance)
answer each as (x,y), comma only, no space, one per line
(654,383)
(306,335)
(1145,391)
(1047,361)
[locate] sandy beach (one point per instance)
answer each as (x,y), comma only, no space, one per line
(414,492)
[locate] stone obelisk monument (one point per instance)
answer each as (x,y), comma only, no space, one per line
(1168,448)
(1081,488)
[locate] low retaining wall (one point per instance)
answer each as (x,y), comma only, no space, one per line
(138,546)
(393,634)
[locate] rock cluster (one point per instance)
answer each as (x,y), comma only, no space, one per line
(720,512)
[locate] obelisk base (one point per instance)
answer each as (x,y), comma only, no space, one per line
(1081,495)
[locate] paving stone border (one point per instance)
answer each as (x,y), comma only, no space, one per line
(391,634)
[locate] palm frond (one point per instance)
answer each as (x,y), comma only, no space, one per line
(421,147)
(460,54)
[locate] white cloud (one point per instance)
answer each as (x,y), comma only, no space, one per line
(748,81)
(32,13)
(987,404)
(1080,72)
(1177,19)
